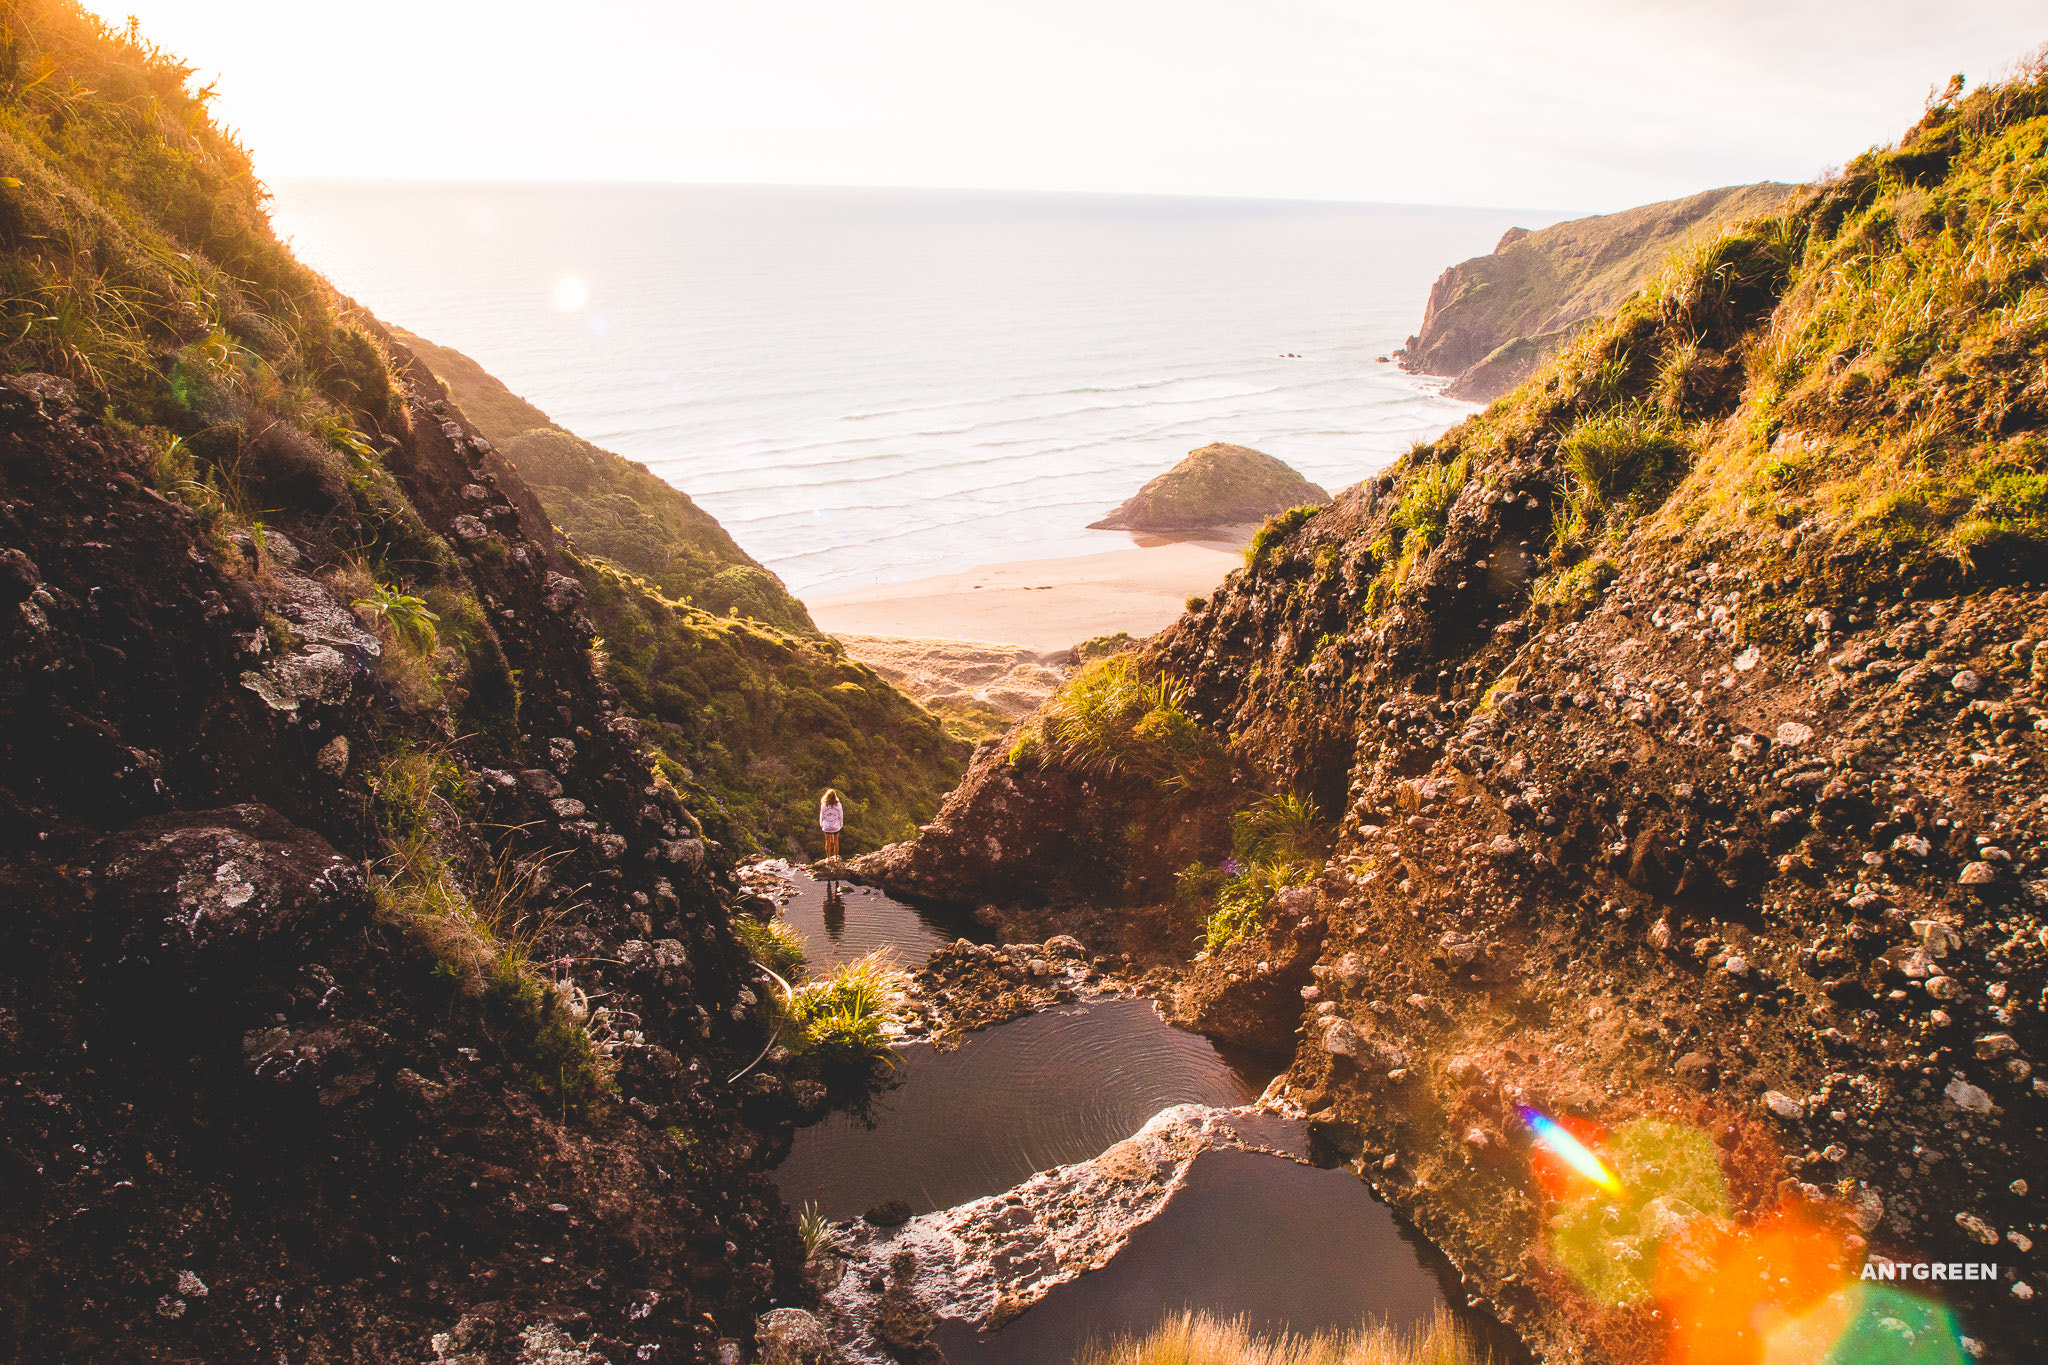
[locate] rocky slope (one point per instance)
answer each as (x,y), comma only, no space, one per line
(754,712)
(367,992)
(1493,320)
(1674,734)
(1216,486)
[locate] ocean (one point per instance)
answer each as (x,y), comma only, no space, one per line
(870,386)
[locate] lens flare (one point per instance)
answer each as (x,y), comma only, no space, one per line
(1555,1139)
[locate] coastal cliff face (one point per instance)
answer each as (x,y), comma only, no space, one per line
(1665,750)
(1493,320)
(367,990)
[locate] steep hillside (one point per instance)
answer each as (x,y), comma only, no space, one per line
(367,992)
(1216,486)
(1492,320)
(755,712)
(613,508)
(1660,750)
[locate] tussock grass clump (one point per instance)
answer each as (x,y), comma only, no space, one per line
(1200,1339)
(772,943)
(1267,540)
(842,1017)
(1277,842)
(1110,720)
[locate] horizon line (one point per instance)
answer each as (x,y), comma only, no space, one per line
(506,182)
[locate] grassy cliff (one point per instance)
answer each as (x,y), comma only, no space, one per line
(750,707)
(613,508)
(1663,746)
(366,982)
(1493,320)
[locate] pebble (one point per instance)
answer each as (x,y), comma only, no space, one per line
(1977,1228)
(1783,1105)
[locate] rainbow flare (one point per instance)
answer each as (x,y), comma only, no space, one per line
(1553,1137)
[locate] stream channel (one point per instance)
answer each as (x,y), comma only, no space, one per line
(1284,1244)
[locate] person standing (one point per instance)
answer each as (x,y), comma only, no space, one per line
(831,819)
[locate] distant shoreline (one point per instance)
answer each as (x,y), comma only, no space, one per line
(1044,605)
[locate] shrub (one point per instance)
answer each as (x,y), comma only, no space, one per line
(1427,492)
(1276,843)
(407,616)
(1270,536)
(1615,457)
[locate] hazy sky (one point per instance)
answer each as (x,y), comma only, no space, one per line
(1582,104)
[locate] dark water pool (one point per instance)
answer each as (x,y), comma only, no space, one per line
(1037,1092)
(843,921)
(1289,1247)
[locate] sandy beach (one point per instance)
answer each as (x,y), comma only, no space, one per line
(1041,605)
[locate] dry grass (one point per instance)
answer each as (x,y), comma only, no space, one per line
(1199,1339)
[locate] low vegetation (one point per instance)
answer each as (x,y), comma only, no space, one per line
(477,930)
(1276,843)
(1200,1339)
(1110,721)
(755,721)
(772,943)
(1270,536)
(842,1019)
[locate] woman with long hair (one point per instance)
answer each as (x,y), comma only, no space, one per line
(831,819)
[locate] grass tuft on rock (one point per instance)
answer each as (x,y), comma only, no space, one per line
(1202,1339)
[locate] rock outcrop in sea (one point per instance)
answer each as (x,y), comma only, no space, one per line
(1215,487)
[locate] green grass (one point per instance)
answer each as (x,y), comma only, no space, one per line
(1277,842)
(1110,721)
(772,943)
(477,918)
(1265,543)
(1862,366)
(842,1018)
(1200,1339)
(757,721)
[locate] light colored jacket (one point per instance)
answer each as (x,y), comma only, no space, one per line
(831,818)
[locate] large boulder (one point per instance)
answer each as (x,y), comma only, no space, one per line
(210,892)
(1219,485)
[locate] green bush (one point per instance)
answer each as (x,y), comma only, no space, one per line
(1267,540)
(1619,457)
(1427,492)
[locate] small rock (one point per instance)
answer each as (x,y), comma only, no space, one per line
(1968,1097)
(333,757)
(1996,1045)
(1978,874)
(191,1285)
(1341,1036)
(1977,1228)
(790,1336)
(1943,988)
(1967,681)
(1783,1105)
(1791,734)
(890,1213)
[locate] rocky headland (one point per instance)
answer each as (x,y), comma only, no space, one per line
(1492,321)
